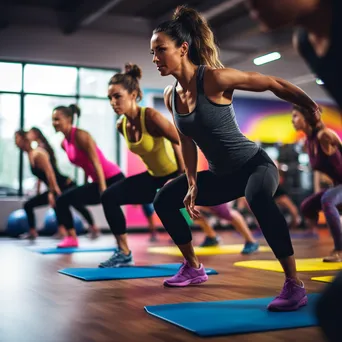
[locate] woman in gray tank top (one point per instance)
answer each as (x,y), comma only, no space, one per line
(201,104)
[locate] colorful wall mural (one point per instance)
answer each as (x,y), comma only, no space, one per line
(261,120)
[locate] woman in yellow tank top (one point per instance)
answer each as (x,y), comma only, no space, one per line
(155,140)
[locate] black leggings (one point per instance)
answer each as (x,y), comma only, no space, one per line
(257,180)
(42,199)
(87,194)
(138,189)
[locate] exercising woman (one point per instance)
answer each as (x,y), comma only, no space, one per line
(83,152)
(35,134)
(201,104)
(43,166)
(324,148)
(154,139)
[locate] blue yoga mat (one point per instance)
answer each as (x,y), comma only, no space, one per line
(131,272)
(233,316)
(53,250)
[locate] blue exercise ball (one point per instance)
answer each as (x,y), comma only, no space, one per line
(17,223)
(51,226)
(78,224)
(50,223)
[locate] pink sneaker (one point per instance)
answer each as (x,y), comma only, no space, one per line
(68,242)
(187,275)
(291,298)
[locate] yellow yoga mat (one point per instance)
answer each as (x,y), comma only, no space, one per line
(303,265)
(327,279)
(224,249)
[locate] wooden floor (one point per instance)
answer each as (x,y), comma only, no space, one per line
(39,304)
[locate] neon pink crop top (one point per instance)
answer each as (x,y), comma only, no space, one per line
(80,158)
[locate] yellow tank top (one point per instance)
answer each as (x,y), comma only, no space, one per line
(155,152)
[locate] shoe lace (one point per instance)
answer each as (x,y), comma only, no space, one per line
(115,255)
(182,268)
(286,291)
(248,245)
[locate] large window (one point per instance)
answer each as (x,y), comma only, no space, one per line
(28,94)
(11,77)
(37,113)
(46,79)
(94,82)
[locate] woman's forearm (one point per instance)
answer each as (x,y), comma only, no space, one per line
(52,182)
(100,175)
(291,93)
(179,157)
(189,151)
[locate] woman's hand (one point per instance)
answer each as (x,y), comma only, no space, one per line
(58,191)
(102,188)
(189,202)
(51,199)
(52,196)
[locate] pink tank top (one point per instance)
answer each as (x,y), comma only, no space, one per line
(330,165)
(80,158)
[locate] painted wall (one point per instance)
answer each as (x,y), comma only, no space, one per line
(269,121)
(261,120)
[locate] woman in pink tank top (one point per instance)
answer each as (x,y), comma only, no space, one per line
(83,152)
(324,148)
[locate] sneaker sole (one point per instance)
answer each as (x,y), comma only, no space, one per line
(67,246)
(302,302)
(118,265)
(215,245)
(250,252)
(193,281)
(28,238)
(93,237)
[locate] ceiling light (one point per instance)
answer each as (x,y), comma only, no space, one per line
(270,57)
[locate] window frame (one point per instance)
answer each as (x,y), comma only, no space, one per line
(77,96)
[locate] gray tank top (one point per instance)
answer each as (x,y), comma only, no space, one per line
(214,129)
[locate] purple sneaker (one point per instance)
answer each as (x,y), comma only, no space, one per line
(291,298)
(187,275)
